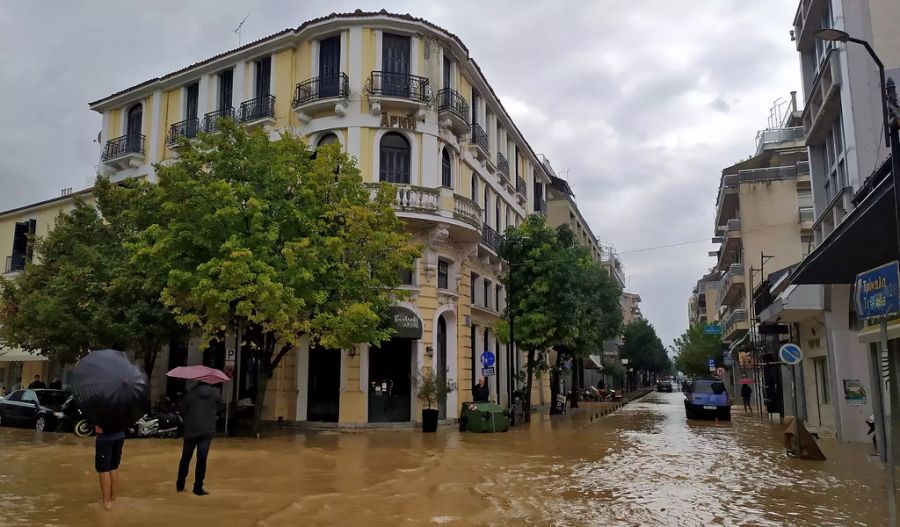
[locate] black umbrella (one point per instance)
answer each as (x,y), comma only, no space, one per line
(111,391)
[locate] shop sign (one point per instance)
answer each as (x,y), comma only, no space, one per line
(406,122)
(854,392)
(878,292)
(405,322)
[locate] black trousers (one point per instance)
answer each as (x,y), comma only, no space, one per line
(202,444)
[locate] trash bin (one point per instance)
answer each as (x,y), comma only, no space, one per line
(483,417)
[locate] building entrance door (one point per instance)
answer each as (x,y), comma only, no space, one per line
(324,385)
(441,363)
(390,381)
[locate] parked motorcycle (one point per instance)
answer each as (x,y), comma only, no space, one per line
(161,425)
(74,418)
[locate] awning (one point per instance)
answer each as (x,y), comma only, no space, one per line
(593,362)
(866,239)
(405,322)
(17,355)
(795,304)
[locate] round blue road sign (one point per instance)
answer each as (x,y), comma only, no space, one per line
(487,359)
(790,354)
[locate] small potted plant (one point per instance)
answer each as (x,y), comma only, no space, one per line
(432,389)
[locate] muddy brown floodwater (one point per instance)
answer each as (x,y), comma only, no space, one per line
(644,465)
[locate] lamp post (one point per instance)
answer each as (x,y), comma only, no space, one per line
(891,122)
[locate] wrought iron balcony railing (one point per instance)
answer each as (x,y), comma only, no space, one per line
(120,146)
(490,237)
(479,136)
(401,85)
(502,165)
(15,263)
(258,108)
(323,87)
(450,100)
(521,185)
(187,128)
(211,120)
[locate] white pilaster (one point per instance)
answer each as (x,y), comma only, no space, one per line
(430,161)
(155,125)
(378,43)
(238,89)
(202,97)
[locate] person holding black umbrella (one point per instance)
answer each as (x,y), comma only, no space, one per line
(199,409)
(107,456)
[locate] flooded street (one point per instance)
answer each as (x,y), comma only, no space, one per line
(644,465)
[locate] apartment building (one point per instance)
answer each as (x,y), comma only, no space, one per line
(408,102)
(853,211)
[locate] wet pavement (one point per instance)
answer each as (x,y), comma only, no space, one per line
(643,465)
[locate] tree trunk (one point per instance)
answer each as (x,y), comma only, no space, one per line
(262,383)
(554,382)
(529,382)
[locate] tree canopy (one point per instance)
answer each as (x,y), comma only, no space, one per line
(644,349)
(694,348)
(277,239)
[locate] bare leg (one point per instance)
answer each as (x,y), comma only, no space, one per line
(114,485)
(106,489)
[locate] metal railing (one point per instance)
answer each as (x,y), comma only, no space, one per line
(187,128)
(779,135)
(521,186)
(402,85)
(732,318)
(490,237)
(211,120)
(450,100)
(120,146)
(803,167)
(768,174)
(337,85)
(479,137)
(502,164)
(14,263)
(807,214)
(466,210)
(258,108)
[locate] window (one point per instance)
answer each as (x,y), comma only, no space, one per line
(443,274)
(475,103)
(226,88)
(473,288)
(23,245)
(263,76)
(447,71)
(821,366)
(538,196)
(446,169)
(134,124)
(487,207)
(29,397)
(15,396)
(329,66)
(487,293)
(192,101)
(327,139)
(822,46)
(394,162)
(406,277)
(499,292)
(474,188)
(834,159)
(497,214)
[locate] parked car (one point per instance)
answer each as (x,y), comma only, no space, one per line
(664,386)
(707,398)
(40,409)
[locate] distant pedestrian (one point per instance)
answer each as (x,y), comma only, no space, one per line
(746,392)
(55,384)
(481,393)
(37,383)
(107,456)
(199,409)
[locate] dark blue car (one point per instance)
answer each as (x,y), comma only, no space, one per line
(707,398)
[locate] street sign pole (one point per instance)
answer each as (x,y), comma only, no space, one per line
(796,410)
(893,444)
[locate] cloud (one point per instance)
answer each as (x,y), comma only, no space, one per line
(643,102)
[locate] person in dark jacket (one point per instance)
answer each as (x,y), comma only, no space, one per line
(199,412)
(746,393)
(481,393)
(37,383)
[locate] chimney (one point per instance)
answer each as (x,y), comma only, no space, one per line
(794,101)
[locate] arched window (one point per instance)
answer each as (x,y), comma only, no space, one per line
(446,179)
(134,124)
(394,162)
(327,139)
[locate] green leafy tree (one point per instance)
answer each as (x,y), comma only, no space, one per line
(644,350)
(277,240)
(694,348)
(83,292)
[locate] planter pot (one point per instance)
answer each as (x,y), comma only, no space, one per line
(429,420)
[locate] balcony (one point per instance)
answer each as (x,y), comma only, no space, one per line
(480,140)
(768,174)
(319,94)
(779,138)
(125,152)
(14,263)
(258,111)
(807,20)
(490,238)
(807,217)
(453,111)
(211,120)
(424,205)
(466,210)
(402,91)
(731,284)
(503,165)
(187,128)
(823,100)
(734,325)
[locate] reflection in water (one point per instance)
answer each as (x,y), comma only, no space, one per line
(645,465)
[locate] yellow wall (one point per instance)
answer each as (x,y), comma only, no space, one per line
(171,115)
(283,89)
(368,62)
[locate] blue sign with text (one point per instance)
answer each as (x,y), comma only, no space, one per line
(712,329)
(878,292)
(487,359)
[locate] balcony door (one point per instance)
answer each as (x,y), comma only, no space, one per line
(395,65)
(134,124)
(395,159)
(329,66)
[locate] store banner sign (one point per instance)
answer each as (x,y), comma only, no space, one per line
(878,292)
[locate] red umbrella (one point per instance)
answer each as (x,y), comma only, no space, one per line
(199,373)
(745,381)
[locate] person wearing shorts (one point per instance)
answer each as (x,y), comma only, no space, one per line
(107,456)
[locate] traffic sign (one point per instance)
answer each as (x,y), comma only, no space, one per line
(487,359)
(712,364)
(878,291)
(487,372)
(712,329)
(728,359)
(790,354)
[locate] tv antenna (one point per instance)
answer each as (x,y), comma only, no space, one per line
(237,30)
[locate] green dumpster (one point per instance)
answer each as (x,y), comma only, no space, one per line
(483,417)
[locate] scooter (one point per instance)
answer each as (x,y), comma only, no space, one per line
(72,416)
(161,425)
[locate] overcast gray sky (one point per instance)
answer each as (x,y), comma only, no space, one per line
(639,103)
